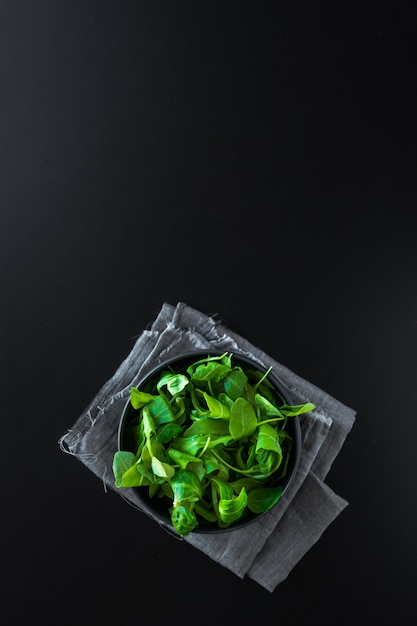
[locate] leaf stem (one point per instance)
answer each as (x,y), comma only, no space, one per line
(272,419)
(248,472)
(260,381)
(205,447)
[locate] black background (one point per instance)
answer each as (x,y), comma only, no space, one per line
(252,159)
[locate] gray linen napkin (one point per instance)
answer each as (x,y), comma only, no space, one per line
(268,549)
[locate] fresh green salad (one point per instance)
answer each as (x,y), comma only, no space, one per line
(211,439)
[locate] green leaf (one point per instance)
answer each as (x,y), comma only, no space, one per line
(161,411)
(145,471)
(212,464)
(183,519)
(193,445)
(148,423)
(182,458)
(243,421)
(210,372)
(167,432)
(224,489)
(231,509)
(122,461)
(297,409)
(216,408)
(226,400)
(263,499)
(247,482)
(206,513)
(139,398)
(234,383)
(134,478)
(266,407)
(175,383)
(186,487)
(207,426)
(163,470)
(224,359)
(268,439)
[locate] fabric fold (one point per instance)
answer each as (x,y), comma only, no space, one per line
(268,549)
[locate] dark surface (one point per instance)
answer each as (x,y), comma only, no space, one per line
(254,162)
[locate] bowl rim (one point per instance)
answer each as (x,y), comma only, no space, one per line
(190,355)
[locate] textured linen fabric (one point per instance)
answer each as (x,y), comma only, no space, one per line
(268,549)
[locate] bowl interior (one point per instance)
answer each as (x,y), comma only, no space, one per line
(160,506)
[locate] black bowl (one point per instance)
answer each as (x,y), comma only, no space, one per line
(159,507)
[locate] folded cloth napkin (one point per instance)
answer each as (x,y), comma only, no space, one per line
(268,549)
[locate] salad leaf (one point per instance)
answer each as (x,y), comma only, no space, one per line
(216,408)
(186,487)
(263,499)
(184,520)
(139,398)
(234,383)
(175,383)
(122,462)
(243,420)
